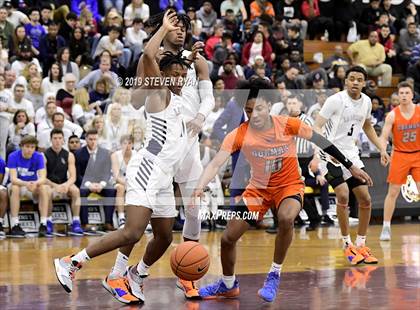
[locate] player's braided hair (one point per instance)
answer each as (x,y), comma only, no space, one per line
(169,58)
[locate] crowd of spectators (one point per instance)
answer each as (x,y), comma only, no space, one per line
(65,69)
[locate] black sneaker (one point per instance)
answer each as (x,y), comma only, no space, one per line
(326,220)
(178,226)
(272,229)
(205,226)
(2,234)
(17,232)
(42,230)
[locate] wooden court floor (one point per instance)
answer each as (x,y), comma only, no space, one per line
(315,274)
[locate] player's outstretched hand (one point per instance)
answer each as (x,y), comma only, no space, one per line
(385,159)
(170,21)
(196,49)
(361,175)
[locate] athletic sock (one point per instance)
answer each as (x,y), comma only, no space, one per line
(49,219)
(81,257)
(360,241)
(276,268)
(346,240)
(1,220)
(121,215)
(76,218)
(43,220)
(120,265)
(14,221)
(229,281)
(387,224)
(142,268)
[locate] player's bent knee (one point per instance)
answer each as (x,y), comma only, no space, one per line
(285,222)
(165,239)
(130,235)
(366,204)
(227,241)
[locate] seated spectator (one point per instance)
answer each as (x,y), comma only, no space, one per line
(208,17)
(58,121)
(24,58)
(9,78)
(92,78)
(134,37)
(111,43)
(260,7)
(414,73)
(406,42)
(394,101)
(34,92)
(314,109)
(61,176)
(6,28)
(18,129)
(4,197)
(78,6)
(28,177)
(46,16)
(5,115)
(138,137)
(237,6)
(34,29)
(65,95)
(246,31)
(387,41)
(93,166)
(337,81)
(230,23)
(337,59)
(259,65)
(20,103)
(67,66)
(228,76)
(317,23)
(213,116)
(101,93)
(293,41)
(280,98)
(67,26)
(370,15)
(237,69)
(296,60)
(212,41)
(283,65)
(123,97)
(111,4)
(220,53)
(83,111)
(49,46)
(18,40)
(115,126)
(29,71)
(4,59)
(98,123)
(112,18)
(136,9)
(392,12)
(370,55)
(258,46)
(87,21)
(74,144)
(78,45)
(46,112)
(15,17)
(54,81)
(119,160)
(291,79)
(292,16)
(378,109)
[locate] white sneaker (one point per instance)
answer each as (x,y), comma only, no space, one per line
(149,228)
(136,282)
(65,270)
(385,234)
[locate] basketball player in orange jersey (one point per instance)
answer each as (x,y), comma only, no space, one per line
(404,124)
(268,143)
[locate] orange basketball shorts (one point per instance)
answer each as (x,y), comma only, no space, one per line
(403,164)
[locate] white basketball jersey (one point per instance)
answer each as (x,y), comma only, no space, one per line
(166,138)
(190,95)
(345,121)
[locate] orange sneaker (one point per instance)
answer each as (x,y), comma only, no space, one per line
(120,289)
(189,288)
(353,255)
(367,254)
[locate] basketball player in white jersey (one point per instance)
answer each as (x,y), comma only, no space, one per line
(197,102)
(344,115)
(150,173)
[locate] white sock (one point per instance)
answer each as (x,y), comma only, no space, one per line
(276,268)
(120,265)
(142,268)
(346,240)
(387,224)
(81,257)
(1,220)
(228,280)
(49,218)
(76,218)
(14,221)
(360,240)
(121,215)
(43,220)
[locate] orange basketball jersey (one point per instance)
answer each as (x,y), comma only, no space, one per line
(406,132)
(271,153)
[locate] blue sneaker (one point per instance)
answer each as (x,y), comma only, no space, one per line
(50,229)
(271,284)
(219,289)
(76,229)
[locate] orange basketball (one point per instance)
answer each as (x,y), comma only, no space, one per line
(190,261)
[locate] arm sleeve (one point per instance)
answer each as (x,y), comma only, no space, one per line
(233,141)
(205,89)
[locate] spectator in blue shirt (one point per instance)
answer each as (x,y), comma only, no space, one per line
(3,196)
(28,178)
(34,29)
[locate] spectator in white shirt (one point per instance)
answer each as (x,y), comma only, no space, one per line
(46,112)
(83,111)
(5,115)
(20,127)
(20,103)
(67,66)
(54,81)
(14,16)
(24,58)
(116,126)
(136,9)
(134,37)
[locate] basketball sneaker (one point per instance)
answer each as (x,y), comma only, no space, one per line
(367,255)
(2,233)
(119,289)
(50,229)
(271,284)
(385,234)
(353,255)
(189,288)
(219,289)
(135,282)
(76,229)
(42,231)
(65,270)
(17,232)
